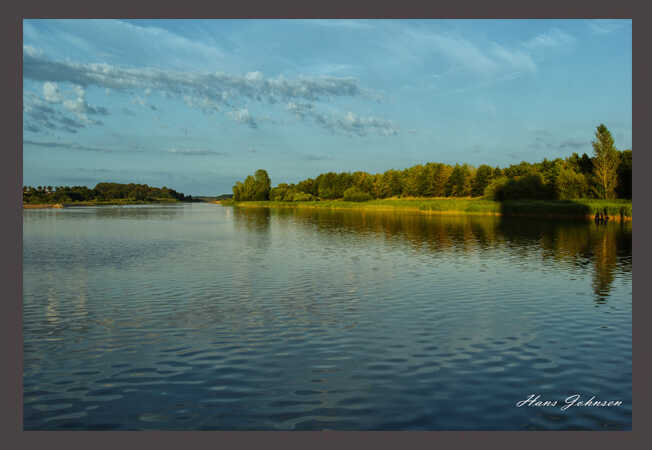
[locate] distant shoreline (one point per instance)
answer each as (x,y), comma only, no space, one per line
(105,203)
(617,210)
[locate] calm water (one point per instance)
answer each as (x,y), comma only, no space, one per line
(205,317)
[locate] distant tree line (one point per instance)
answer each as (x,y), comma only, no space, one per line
(606,175)
(101,192)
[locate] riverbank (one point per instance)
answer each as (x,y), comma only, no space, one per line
(95,203)
(583,208)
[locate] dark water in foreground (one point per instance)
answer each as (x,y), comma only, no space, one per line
(205,317)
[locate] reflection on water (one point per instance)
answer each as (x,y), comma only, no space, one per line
(203,317)
(569,244)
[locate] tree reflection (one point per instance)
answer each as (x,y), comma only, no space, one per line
(572,245)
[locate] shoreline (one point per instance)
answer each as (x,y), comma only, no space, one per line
(82,204)
(534,209)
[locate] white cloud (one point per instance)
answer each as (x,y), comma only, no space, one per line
(242,115)
(552,38)
(349,124)
(606,26)
(515,59)
(209,92)
(460,51)
(51,92)
(254,76)
(117,40)
(57,110)
(481,59)
(31,51)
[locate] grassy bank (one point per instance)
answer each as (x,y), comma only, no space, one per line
(551,208)
(98,203)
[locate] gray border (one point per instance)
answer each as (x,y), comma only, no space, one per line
(11,314)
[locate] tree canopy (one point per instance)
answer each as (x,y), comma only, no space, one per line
(606,174)
(101,192)
(605,163)
(256,187)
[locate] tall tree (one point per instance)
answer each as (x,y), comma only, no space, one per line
(263,185)
(605,163)
(249,190)
(483,176)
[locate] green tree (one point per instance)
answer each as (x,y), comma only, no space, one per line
(624,188)
(307,186)
(530,186)
(495,189)
(238,191)
(483,176)
(279,193)
(262,185)
(460,181)
(438,179)
(571,184)
(354,194)
(414,181)
(391,183)
(326,185)
(605,163)
(249,191)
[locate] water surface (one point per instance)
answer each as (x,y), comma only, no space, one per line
(199,316)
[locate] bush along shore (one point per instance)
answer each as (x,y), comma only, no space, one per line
(618,210)
(598,187)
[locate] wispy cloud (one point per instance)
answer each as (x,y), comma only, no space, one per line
(486,58)
(209,92)
(541,142)
(316,157)
(75,146)
(195,152)
(138,100)
(118,40)
(242,115)
(41,117)
(348,124)
(606,26)
(575,144)
(545,140)
(218,88)
(59,110)
(551,38)
(514,59)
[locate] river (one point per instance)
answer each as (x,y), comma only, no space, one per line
(198,316)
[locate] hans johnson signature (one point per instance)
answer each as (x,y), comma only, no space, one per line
(575,400)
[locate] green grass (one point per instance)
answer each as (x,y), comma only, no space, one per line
(580,207)
(567,208)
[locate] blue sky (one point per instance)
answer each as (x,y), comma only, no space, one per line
(197,104)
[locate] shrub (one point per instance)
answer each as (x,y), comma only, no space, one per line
(571,184)
(530,186)
(494,190)
(354,194)
(302,197)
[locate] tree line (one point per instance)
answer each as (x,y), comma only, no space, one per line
(605,175)
(101,192)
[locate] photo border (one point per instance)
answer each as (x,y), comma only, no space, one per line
(11,255)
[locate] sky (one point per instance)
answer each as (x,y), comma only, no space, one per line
(196,105)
